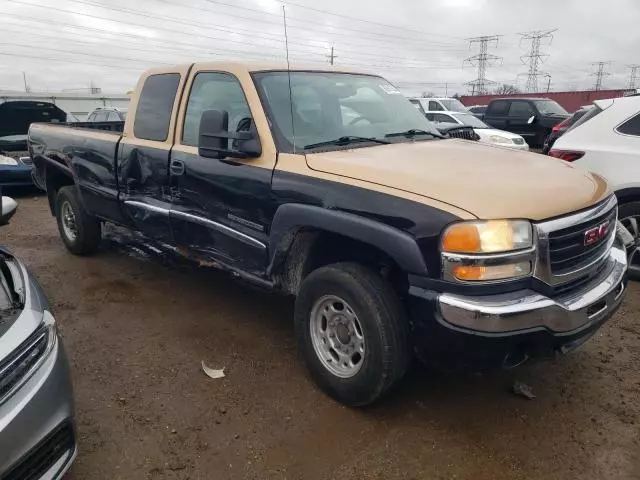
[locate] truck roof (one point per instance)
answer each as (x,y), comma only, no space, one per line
(261,67)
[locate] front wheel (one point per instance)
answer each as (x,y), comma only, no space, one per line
(80,232)
(352,332)
(629,215)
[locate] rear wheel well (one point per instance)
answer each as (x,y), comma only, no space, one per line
(55,180)
(312,249)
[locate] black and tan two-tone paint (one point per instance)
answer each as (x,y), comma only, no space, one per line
(245,213)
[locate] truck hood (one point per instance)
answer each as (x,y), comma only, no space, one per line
(486,181)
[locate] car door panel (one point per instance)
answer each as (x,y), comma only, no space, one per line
(144,152)
(222,208)
(520,112)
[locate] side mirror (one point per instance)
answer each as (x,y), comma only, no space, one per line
(532,119)
(214,136)
(8,207)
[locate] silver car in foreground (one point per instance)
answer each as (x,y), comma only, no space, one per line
(37,430)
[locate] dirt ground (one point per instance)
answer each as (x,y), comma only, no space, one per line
(137,325)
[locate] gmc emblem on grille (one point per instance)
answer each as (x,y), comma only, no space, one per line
(594,235)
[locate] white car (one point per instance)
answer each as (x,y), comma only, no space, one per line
(484,131)
(606,141)
(440,104)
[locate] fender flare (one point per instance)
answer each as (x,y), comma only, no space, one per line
(290,218)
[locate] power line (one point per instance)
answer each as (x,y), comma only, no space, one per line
(341,16)
(634,77)
(482,60)
(600,73)
(535,57)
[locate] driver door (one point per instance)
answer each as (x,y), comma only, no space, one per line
(220,207)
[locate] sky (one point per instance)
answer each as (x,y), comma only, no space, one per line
(421,46)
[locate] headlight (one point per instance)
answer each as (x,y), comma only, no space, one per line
(487,250)
(8,161)
(492,236)
(498,139)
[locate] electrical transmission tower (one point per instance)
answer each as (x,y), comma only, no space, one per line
(482,60)
(600,73)
(535,58)
(634,76)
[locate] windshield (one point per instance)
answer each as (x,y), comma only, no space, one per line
(470,120)
(330,106)
(453,105)
(549,107)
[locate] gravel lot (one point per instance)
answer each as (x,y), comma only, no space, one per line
(137,325)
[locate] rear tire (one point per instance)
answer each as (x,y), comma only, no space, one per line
(351,330)
(80,231)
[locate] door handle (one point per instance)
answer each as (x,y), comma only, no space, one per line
(177,168)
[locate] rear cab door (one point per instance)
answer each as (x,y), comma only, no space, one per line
(144,152)
(497,114)
(520,111)
(222,208)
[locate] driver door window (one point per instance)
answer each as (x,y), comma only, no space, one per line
(520,110)
(215,91)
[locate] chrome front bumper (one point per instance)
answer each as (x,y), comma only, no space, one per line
(526,310)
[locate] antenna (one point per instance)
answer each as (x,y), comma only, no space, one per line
(286,45)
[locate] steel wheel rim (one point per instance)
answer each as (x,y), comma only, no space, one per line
(337,336)
(632,223)
(69,221)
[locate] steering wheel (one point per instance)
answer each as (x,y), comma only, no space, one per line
(356,120)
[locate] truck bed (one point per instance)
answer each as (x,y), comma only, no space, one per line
(88,149)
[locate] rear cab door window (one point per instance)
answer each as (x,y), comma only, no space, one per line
(143,152)
(498,108)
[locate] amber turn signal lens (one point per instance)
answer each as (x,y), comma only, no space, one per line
(462,238)
(467,272)
(492,272)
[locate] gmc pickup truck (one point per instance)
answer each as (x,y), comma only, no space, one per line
(331,187)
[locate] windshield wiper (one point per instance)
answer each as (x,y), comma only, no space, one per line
(346,140)
(412,133)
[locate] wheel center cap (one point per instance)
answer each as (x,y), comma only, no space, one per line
(342,332)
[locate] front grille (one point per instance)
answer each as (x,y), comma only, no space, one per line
(465,133)
(18,364)
(518,141)
(567,249)
(58,444)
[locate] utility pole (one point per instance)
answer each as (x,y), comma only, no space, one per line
(26,85)
(482,60)
(534,58)
(331,57)
(633,76)
(600,73)
(548,82)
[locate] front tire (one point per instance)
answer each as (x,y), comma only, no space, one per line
(80,232)
(351,330)
(629,215)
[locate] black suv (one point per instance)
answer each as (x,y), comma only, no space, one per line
(533,118)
